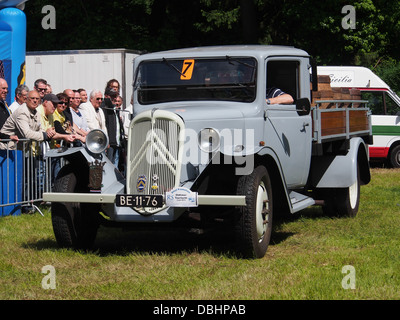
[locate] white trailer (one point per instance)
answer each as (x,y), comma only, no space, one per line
(88,69)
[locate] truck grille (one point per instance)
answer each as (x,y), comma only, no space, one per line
(154,154)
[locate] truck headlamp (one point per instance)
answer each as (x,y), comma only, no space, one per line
(96,141)
(209,140)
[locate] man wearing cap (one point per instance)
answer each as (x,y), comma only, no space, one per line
(46,110)
(25,123)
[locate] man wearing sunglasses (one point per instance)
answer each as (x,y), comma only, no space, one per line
(41,88)
(46,110)
(93,113)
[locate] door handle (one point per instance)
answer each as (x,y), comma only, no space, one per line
(305,124)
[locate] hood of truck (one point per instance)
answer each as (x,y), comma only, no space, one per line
(236,122)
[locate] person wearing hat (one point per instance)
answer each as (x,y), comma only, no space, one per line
(25,123)
(45,111)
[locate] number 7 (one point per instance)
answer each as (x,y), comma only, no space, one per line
(148,198)
(187,69)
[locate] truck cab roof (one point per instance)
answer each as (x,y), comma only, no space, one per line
(261,51)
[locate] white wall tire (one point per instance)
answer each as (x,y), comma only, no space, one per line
(253,224)
(343,202)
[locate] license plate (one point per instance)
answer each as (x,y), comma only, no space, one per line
(139,200)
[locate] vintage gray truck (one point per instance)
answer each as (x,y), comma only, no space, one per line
(205,139)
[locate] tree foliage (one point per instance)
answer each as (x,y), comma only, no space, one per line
(152,25)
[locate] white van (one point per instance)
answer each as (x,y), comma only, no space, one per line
(383,102)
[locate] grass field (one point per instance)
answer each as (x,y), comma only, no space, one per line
(304,261)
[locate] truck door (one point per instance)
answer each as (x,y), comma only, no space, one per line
(286,131)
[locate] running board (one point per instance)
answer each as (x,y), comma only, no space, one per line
(300,201)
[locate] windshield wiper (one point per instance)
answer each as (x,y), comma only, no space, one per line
(172,66)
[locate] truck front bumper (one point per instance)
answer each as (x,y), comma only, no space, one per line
(99,198)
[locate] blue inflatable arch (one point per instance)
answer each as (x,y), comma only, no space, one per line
(13,45)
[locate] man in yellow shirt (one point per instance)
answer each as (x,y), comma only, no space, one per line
(46,111)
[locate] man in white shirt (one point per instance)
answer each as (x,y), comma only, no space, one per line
(78,118)
(21,94)
(93,113)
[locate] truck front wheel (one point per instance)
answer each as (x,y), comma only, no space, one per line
(75,225)
(253,224)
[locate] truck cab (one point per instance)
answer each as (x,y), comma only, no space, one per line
(204,139)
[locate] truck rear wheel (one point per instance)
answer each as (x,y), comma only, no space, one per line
(75,225)
(343,201)
(254,221)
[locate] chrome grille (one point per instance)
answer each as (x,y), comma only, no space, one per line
(155,153)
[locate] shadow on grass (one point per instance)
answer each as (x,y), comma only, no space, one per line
(165,241)
(42,244)
(151,241)
(169,240)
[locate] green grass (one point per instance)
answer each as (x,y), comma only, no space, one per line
(304,261)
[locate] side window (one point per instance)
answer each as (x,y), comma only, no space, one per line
(284,75)
(375,101)
(380,103)
(391,107)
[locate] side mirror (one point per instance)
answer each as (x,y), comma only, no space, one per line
(303,106)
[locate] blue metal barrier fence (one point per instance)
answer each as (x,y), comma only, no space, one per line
(25,174)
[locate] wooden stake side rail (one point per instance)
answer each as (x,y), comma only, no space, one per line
(341,121)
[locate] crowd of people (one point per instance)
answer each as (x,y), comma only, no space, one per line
(64,118)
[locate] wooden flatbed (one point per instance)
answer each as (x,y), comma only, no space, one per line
(338,115)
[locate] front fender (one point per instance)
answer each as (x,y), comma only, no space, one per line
(67,152)
(340,171)
(112,180)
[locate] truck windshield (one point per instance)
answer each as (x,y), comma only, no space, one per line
(222,79)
